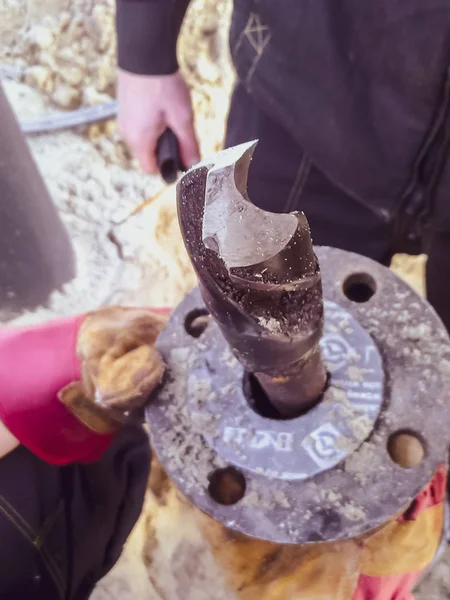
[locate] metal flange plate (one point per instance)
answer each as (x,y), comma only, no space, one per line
(328,474)
(293,449)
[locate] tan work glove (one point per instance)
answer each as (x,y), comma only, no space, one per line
(120,367)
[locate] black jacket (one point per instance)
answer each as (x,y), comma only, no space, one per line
(362,85)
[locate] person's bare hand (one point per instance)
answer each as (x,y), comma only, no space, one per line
(148,105)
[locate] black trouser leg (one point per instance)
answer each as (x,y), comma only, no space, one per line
(438,275)
(282,179)
(63,528)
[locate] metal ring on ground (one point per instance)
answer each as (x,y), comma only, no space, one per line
(311,479)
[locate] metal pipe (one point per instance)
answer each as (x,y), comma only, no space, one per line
(35,251)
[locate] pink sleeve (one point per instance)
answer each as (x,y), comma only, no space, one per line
(35,363)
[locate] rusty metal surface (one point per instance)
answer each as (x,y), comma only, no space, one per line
(259,278)
(354,493)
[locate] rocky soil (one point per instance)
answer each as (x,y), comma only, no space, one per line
(60,54)
(57,55)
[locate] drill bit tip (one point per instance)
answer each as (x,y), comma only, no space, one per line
(240,233)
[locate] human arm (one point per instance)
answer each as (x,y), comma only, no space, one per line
(152,94)
(66,386)
(147,33)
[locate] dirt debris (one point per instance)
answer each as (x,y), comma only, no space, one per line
(356,463)
(68,53)
(188,452)
(353,512)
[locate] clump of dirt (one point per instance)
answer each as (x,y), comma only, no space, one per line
(66,50)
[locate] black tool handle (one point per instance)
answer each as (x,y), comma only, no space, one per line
(168,156)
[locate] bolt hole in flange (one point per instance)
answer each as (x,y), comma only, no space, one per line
(359,287)
(227,486)
(197,321)
(406,449)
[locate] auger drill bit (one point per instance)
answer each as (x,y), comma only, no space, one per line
(259,278)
